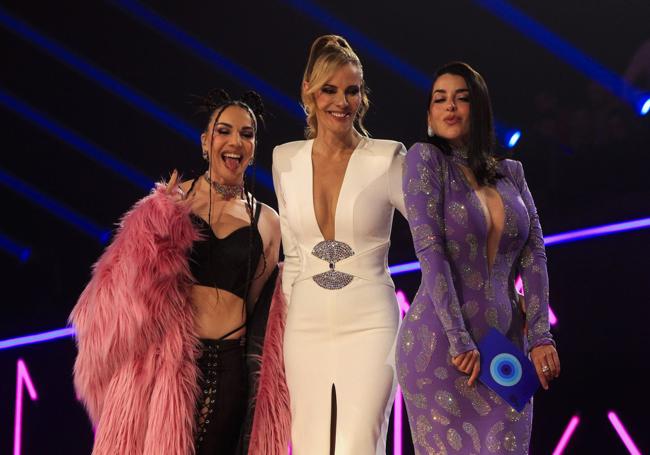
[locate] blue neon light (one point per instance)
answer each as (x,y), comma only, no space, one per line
(645,107)
(55,207)
(100,76)
(15,249)
(209,55)
(36,338)
(562,49)
(75,140)
(389,60)
(514,138)
(108,82)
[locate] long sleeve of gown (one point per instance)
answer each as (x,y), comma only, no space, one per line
(291,267)
(532,267)
(424,197)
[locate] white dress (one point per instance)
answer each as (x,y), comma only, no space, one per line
(343,316)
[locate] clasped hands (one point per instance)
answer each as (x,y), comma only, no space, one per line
(544,358)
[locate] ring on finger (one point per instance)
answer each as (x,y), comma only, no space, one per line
(546,369)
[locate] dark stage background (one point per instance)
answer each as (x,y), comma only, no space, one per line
(585,152)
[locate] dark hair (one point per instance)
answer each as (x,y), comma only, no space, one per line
(213,105)
(217,100)
(481,143)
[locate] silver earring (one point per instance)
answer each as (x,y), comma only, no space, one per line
(205,155)
(430,131)
(251,162)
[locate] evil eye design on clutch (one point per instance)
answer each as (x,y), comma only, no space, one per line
(505,369)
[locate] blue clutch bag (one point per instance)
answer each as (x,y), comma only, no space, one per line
(506,370)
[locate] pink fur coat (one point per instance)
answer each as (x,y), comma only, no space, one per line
(136,369)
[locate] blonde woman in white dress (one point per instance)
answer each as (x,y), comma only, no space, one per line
(337,192)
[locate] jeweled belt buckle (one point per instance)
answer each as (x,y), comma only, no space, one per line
(332,251)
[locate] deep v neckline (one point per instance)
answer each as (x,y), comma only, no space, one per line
(338,197)
(485,212)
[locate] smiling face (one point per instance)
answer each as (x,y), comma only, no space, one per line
(449,112)
(338,100)
(230,144)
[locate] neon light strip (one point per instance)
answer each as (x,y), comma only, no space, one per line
(97,75)
(571,236)
(15,249)
(398,431)
(398,409)
(22,377)
(54,207)
(393,63)
(623,434)
(75,140)
(409,267)
(36,338)
(565,51)
(110,83)
(566,435)
(209,55)
(597,231)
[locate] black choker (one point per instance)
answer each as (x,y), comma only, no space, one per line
(227,191)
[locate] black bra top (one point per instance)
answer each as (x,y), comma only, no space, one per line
(228,263)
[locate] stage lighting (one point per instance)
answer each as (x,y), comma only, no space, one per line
(645,106)
(514,138)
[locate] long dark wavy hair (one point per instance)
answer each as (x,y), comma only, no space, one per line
(481,142)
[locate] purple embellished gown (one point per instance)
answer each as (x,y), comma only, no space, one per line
(460,299)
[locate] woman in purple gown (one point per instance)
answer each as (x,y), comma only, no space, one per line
(475,229)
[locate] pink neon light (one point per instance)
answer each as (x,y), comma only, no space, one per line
(403,302)
(519,285)
(22,377)
(566,436)
(397,422)
(398,432)
(623,434)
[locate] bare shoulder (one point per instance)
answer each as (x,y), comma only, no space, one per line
(269,217)
(268,213)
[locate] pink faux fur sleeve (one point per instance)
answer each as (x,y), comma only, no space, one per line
(119,315)
(271,430)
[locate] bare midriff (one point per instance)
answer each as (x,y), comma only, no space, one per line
(217,313)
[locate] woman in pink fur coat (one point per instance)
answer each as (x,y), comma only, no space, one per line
(171,326)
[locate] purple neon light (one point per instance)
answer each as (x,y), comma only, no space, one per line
(597,231)
(623,434)
(404,268)
(36,338)
(22,377)
(566,436)
(565,237)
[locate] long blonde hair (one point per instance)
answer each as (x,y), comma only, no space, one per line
(327,54)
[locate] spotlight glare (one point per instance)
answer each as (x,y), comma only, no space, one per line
(645,107)
(514,138)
